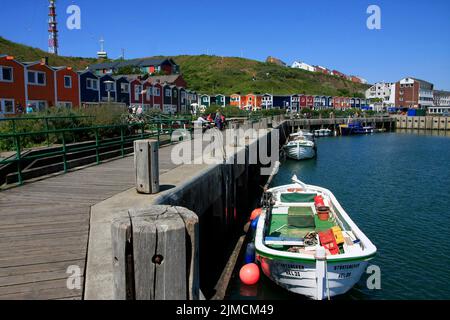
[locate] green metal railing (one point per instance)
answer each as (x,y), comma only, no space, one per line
(99,136)
(72,139)
(47,121)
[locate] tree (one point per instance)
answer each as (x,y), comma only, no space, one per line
(129,70)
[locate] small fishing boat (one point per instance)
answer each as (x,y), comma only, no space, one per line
(301,145)
(355,128)
(322,132)
(306,243)
(364,130)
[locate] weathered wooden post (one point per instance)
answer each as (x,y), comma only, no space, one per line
(146,163)
(156,254)
(235,128)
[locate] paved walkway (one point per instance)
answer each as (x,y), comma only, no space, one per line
(45,227)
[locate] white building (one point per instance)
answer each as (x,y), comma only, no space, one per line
(441,103)
(384,91)
(441,98)
(304,66)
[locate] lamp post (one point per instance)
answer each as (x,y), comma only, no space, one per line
(109,89)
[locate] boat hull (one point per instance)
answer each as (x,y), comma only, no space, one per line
(311,271)
(300,278)
(298,152)
(347,131)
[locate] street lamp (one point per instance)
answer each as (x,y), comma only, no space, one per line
(109,88)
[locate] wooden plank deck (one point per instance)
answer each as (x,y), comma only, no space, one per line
(44,227)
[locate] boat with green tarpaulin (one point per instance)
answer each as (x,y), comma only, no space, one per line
(307,243)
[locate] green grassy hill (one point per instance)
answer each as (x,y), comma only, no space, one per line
(212,74)
(26,53)
(227,75)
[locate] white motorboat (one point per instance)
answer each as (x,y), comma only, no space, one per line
(300,146)
(306,242)
(322,132)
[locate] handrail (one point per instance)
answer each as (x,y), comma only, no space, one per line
(43,118)
(30,133)
(122,136)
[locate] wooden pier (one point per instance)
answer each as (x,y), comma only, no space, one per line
(385,122)
(45,227)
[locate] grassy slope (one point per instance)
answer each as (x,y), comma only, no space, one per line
(212,74)
(227,75)
(25,53)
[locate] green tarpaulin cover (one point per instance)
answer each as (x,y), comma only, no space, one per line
(301,217)
(297,197)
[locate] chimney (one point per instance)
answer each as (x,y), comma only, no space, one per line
(44,61)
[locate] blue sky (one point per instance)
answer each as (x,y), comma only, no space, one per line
(413,40)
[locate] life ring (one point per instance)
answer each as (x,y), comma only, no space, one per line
(294,190)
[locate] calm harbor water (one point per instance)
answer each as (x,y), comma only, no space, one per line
(396,187)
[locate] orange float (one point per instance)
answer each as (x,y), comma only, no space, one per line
(255,214)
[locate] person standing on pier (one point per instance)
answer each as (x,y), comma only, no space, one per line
(139,111)
(218,120)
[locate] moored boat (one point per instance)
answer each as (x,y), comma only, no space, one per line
(355,128)
(322,132)
(301,145)
(306,242)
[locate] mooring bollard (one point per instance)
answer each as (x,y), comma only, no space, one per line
(155,254)
(146,163)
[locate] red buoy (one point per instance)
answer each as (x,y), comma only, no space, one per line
(255,214)
(249,274)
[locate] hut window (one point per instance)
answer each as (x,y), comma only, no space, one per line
(6,74)
(67,82)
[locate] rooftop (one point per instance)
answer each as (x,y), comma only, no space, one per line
(164,78)
(145,62)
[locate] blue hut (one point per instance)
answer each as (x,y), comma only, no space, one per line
(89,87)
(122,89)
(183,100)
(329,102)
(220,100)
(107,84)
(323,102)
(282,102)
(205,100)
